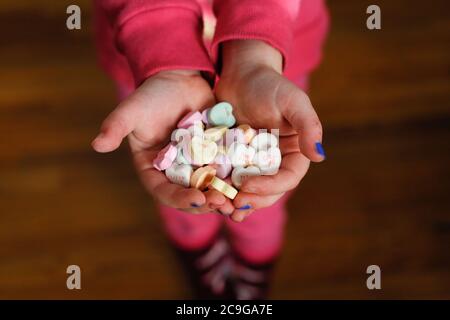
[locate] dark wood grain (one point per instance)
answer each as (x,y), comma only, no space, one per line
(380,198)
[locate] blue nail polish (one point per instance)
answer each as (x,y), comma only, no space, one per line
(320,149)
(246,207)
(194,205)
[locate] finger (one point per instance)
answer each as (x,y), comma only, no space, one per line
(171,194)
(117,125)
(250,201)
(239,216)
(214,199)
(227,208)
(247,203)
(177,196)
(299,112)
(292,170)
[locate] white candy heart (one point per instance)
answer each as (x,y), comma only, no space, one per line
(268,161)
(180,174)
(249,132)
(222,165)
(181,158)
(196,129)
(264,141)
(202,151)
(239,174)
(231,136)
(240,154)
(180,135)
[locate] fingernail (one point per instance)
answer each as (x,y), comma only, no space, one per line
(238,218)
(94,142)
(223,213)
(319,149)
(194,205)
(97,138)
(100,136)
(246,207)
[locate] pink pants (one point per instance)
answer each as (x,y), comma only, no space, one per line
(257,239)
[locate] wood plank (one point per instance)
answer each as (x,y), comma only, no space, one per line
(380,198)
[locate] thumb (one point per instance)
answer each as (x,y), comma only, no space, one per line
(118,124)
(302,117)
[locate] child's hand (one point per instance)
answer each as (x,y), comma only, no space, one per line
(251,81)
(148,117)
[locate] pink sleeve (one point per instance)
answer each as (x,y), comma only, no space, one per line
(269,20)
(156,35)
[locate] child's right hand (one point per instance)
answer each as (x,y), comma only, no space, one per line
(147,117)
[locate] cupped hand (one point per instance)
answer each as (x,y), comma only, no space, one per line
(251,81)
(148,117)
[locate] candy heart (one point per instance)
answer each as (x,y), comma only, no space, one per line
(215,133)
(180,174)
(264,141)
(165,157)
(239,174)
(249,132)
(221,114)
(221,149)
(190,119)
(232,135)
(181,158)
(196,129)
(180,135)
(202,151)
(240,154)
(205,116)
(268,161)
(222,164)
(223,187)
(202,177)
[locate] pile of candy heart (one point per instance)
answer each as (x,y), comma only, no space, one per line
(205,149)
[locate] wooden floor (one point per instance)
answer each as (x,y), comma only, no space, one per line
(382,196)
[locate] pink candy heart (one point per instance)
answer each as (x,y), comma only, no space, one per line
(222,165)
(190,119)
(165,157)
(205,116)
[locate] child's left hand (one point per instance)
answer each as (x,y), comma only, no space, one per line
(251,81)
(147,117)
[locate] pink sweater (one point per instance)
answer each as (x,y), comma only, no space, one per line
(137,38)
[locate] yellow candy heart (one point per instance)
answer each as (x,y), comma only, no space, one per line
(223,188)
(215,133)
(202,177)
(249,132)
